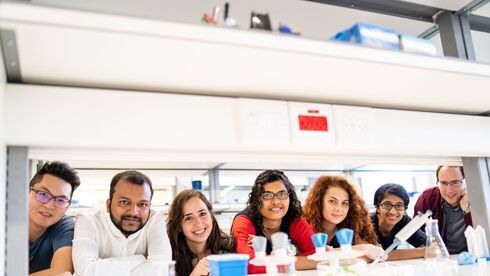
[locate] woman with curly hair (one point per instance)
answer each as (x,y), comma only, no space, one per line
(332,204)
(194,233)
(273,207)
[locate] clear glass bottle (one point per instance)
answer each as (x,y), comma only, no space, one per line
(435,249)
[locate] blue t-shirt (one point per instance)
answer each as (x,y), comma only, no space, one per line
(56,236)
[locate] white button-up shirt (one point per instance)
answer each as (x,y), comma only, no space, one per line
(99,247)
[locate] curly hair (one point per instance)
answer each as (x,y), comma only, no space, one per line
(217,242)
(357,217)
(254,203)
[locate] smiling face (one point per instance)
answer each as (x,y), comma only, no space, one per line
(392,216)
(335,205)
(197,223)
(451,193)
(43,215)
(274,209)
(130,206)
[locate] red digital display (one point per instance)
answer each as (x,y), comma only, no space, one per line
(313,123)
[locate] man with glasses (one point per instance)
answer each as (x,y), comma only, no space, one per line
(124,238)
(449,204)
(391,200)
(50,230)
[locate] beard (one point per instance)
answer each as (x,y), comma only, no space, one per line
(119,224)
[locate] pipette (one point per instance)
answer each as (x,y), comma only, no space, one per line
(406,232)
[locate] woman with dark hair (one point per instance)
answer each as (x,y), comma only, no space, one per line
(273,207)
(391,201)
(332,204)
(194,233)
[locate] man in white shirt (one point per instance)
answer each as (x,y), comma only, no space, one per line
(126,237)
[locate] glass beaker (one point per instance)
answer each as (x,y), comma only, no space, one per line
(435,249)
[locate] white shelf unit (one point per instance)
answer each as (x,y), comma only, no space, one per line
(86,49)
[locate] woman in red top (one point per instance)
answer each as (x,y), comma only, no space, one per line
(273,207)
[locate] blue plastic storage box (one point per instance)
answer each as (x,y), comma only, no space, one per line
(228,264)
(370,35)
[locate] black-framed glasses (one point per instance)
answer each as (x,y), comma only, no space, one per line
(45,197)
(282,195)
(454,183)
(387,206)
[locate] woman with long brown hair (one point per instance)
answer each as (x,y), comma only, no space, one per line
(333,203)
(194,233)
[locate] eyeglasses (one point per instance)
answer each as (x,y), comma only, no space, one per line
(387,206)
(45,197)
(454,183)
(270,195)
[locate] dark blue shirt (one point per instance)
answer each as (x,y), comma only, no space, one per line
(56,236)
(416,240)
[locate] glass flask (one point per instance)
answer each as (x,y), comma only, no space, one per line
(435,249)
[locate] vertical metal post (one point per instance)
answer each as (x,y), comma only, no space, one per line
(477,174)
(17,236)
(214,185)
(456,35)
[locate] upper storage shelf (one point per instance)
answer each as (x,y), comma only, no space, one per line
(76,48)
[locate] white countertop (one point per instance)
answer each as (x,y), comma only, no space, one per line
(416,267)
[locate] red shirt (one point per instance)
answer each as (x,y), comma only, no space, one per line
(300,233)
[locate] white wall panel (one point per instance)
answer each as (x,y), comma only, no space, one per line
(423,133)
(263,124)
(71,117)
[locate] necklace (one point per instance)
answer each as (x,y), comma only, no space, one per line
(271,229)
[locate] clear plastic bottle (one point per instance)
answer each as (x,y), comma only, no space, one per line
(435,249)
(291,267)
(288,269)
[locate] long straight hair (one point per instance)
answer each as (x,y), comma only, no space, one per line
(217,241)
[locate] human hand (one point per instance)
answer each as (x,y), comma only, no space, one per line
(202,268)
(463,202)
(371,251)
(250,240)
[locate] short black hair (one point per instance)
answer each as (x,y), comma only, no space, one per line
(391,189)
(133,177)
(60,170)
(440,167)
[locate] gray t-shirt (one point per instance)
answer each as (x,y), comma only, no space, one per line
(454,227)
(56,236)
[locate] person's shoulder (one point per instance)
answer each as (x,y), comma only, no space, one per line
(156,219)
(93,216)
(66,223)
(242,219)
(242,223)
(299,222)
(405,220)
(430,192)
